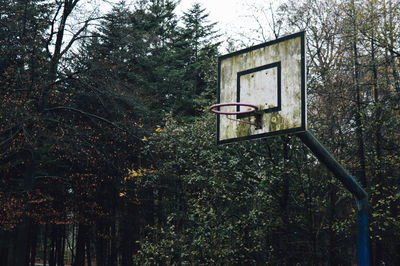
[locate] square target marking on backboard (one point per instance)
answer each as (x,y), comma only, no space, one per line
(272,77)
(264,81)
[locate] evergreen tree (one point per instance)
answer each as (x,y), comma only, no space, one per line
(196,50)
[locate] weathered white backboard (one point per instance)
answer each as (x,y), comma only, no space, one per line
(271,76)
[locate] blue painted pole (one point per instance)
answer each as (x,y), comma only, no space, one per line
(349,183)
(362,233)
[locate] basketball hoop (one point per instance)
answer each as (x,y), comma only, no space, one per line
(258,117)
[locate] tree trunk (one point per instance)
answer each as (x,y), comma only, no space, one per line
(20,251)
(3,256)
(80,246)
(283,203)
(22,244)
(126,241)
(6,251)
(88,255)
(361,173)
(71,250)
(100,245)
(375,246)
(113,247)
(33,243)
(331,218)
(45,245)
(52,255)
(60,246)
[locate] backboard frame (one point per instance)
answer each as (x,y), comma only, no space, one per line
(303,124)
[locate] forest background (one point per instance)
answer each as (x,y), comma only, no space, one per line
(108,155)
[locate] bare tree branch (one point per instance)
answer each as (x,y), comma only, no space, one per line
(93,116)
(77,36)
(53,21)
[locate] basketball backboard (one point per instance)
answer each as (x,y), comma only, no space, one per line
(272,77)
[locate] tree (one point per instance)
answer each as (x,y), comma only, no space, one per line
(49,150)
(182,68)
(352,106)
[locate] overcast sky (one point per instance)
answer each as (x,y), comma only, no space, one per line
(234,17)
(223,11)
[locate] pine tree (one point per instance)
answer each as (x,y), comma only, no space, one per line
(196,49)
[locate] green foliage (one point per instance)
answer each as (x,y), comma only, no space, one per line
(245,203)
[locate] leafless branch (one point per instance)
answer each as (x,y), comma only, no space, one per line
(93,116)
(77,35)
(274,27)
(261,28)
(53,21)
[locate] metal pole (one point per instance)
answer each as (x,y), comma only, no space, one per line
(349,183)
(362,234)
